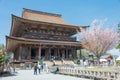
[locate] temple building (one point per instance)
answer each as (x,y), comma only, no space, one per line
(41,35)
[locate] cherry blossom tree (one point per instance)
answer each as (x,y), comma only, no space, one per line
(97,39)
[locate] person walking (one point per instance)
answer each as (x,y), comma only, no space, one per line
(35,69)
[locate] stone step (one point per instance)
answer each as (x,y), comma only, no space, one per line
(50,63)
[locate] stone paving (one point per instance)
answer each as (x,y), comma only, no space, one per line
(28,75)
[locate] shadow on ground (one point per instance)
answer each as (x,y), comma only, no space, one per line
(7,73)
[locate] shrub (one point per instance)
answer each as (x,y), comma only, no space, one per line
(118,62)
(1,59)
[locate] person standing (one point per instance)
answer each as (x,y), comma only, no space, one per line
(39,68)
(22,65)
(54,63)
(46,68)
(42,67)
(35,69)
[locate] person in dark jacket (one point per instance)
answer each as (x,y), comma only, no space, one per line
(56,71)
(35,69)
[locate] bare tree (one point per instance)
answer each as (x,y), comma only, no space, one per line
(97,39)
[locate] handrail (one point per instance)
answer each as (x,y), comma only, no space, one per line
(100,74)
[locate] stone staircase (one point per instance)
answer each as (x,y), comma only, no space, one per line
(58,62)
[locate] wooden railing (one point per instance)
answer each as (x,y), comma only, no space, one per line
(49,37)
(91,74)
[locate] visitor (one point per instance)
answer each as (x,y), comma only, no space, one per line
(46,68)
(62,60)
(39,66)
(52,58)
(42,67)
(13,67)
(85,63)
(54,63)
(56,71)
(35,69)
(22,65)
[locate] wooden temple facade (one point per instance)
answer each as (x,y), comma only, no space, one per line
(40,35)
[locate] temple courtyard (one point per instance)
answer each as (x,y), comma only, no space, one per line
(29,75)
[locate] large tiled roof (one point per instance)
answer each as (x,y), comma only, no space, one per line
(43,16)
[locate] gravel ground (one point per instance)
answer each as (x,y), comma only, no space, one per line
(28,75)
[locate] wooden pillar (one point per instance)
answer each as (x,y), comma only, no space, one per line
(29,54)
(20,49)
(66,53)
(55,53)
(74,53)
(71,54)
(49,53)
(63,54)
(80,54)
(39,52)
(46,53)
(58,52)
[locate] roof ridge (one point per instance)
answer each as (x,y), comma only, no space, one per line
(41,12)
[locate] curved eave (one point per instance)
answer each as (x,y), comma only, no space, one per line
(34,21)
(49,42)
(16,18)
(12,26)
(12,42)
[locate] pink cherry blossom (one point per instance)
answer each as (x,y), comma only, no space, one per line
(97,39)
